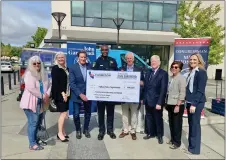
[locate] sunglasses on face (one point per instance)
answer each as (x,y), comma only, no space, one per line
(104,50)
(36,63)
(174,67)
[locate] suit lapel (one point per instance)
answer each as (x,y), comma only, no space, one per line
(79,71)
(154,76)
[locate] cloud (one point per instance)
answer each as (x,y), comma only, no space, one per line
(20,21)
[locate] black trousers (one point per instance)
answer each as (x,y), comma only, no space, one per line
(110,107)
(154,120)
(175,124)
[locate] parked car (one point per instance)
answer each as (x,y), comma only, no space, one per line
(6,67)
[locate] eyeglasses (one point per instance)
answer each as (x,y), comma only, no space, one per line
(174,67)
(36,63)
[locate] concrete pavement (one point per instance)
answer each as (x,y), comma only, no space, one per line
(15,141)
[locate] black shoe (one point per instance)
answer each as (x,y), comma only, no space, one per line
(66,136)
(112,135)
(87,134)
(148,137)
(160,140)
(100,136)
(65,140)
(78,135)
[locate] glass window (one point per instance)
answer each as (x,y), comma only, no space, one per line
(93,22)
(155,12)
(93,9)
(77,8)
(126,25)
(155,26)
(169,13)
(172,1)
(141,11)
(77,21)
(125,10)
(138,63)
(109,9)
(108,23)
(168,27)
(140,25)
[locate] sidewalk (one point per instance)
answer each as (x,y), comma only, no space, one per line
(15,141)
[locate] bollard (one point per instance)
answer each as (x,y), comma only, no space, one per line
(18,74)
(2,86)
(9,78)
(14,77)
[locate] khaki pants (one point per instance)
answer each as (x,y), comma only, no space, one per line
(140,119)
(129,117)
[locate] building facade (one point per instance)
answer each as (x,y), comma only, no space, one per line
(146,30)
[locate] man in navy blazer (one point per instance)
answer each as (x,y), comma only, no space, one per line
(155,90)
(77,78)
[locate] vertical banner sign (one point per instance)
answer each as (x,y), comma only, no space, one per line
(184,47)
(72,49)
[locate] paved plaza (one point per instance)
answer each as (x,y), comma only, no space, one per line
(15,141)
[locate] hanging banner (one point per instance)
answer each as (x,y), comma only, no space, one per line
(72,49)
(185,47)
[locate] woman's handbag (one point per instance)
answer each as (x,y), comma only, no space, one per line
(52,105)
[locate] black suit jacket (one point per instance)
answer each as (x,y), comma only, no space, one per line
(136,69)
(155,90)
(59,83)
(199,86)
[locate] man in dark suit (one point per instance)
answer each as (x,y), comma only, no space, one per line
(130,110)
(77,78)
(104,62)
(155,86)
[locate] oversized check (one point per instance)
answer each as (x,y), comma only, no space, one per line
(115,86)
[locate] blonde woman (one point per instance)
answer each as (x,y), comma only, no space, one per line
(195,100)
(61,92)
(36,93)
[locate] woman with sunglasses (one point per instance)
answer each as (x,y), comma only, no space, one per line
(34,98)
(175,103)
(195,100)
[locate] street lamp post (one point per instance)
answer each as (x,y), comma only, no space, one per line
(59,17)
(118,23)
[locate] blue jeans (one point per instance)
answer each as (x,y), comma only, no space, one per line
(87,116)
(34,122)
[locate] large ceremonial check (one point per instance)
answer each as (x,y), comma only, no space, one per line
(114,86)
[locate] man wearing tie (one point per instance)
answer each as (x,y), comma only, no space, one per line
(77,77)
(155,90)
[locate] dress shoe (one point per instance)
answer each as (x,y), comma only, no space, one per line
(160,140)
(133,135)
(122,135)
(64,140)
(78,135)
(100,136)
(148,137)
(112,135)
(87,134)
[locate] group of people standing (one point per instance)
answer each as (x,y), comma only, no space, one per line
(157,91)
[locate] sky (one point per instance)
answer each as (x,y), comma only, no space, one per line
(20,20)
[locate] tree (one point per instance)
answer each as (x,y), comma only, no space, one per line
(198,22)
(37,38)
(6,50)
(16,51)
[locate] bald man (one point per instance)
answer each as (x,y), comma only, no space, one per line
(155,90)
(130,110)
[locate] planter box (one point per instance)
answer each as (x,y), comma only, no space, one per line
(218,106)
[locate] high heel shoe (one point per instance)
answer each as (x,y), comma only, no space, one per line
(65,140)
